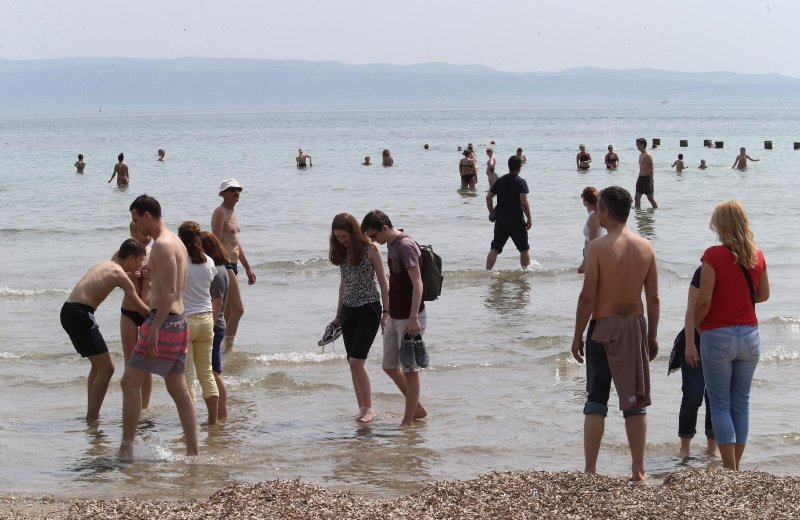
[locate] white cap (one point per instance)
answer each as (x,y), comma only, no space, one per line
(229,183)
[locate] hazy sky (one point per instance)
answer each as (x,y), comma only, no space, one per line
(524,35)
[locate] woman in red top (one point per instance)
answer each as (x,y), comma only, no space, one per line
(730,345)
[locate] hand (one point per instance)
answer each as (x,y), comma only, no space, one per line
(528,224)
(144,272)
(577,349)
(652,348)
(492,216)
(692,359)
(337,321)
(412,327)
(152,342)
(251,276)
(384,321)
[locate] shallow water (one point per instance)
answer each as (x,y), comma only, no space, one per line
(503,390)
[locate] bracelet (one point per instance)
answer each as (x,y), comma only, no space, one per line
(386,312)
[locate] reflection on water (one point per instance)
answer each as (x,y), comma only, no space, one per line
(509,292)
(645,222)
(467,193)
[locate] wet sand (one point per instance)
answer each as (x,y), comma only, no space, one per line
(684,494)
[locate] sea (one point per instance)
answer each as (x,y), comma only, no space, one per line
(502,389)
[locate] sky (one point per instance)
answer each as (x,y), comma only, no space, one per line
(746,36)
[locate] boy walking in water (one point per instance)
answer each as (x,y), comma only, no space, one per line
(163,337)
(679,165)
(644,183)
(77,317)
(406,313)
(619,343)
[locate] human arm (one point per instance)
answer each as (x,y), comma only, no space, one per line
(707,280)
(589,157)
(251,276)
(218,223)
(490,204)
(412,328)
(756,160)
(337,320)
(124,282)
(762,294)
(586,302)
(216,306)
(690,352)
(653,307)
(526,208)
(377,264)
(735,162)
(113,174)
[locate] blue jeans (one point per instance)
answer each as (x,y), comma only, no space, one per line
(693,388)
(730,356)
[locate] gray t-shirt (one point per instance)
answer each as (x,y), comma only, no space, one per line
(219,289)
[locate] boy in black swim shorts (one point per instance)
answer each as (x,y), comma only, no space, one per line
(77,317)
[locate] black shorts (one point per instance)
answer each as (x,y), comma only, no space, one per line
(233,266)
(134,316)
(516,230)
(643,185)
(78,320)
(466,179)
(359,328)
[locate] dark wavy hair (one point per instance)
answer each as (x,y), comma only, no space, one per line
(213,248)
(189,233)
(337,253)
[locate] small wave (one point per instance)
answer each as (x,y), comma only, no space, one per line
(15,355)
(781,353)
(7,292)
(287,358)
(291,265)
(785,320)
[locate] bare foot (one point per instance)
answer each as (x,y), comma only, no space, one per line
(683,453)
(421,412)
(365,416)
(125,453)
(639,478)
(93,422)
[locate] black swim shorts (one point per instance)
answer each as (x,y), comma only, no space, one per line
(514,229)
(134,316)
(643,185)
(78,320)
(233,266)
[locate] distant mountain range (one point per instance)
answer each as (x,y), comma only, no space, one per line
(116,83)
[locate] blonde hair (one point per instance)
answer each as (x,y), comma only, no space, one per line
(729,221)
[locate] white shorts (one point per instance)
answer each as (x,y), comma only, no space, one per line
(395,329)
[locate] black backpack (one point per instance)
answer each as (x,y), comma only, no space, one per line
(431,272)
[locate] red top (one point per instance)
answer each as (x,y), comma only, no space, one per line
(730,301)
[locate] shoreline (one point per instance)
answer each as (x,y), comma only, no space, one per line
(709,493)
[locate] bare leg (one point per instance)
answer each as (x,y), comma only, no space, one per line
(738,451)
(234,310)
(176,386)
(361,384)
(129,333)
(399,379)
(652,201)
(491,258)
(638,200)
(636,428)
(222,404)
(728,454)
(593,427)
(131,409)
(464,184)
(473,181)
(212,405)
(525,259)
(412,398)
(684,451)
(97,384)
(712,447)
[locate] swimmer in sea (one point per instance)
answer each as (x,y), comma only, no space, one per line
(741,160)
(121,172)
(679,165)
(702,165)
(521,156)
(583,159)
(162,155)
(611,159)
(301,159)
(80,164)
(388,160)
(367,161)
(427,146)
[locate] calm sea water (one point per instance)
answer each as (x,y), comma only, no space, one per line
(503,391)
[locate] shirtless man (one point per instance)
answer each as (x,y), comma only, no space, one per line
(301,159)
(225,226)
(367,161)
(741,160)
(77,317)
(644,184)
(611,158)
(163,337)
(521,156)
(619,344)
(162,155)
(678,164)
(120,171)
(80,164)
(702,165)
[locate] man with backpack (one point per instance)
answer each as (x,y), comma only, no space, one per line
(404,322)
(512,206)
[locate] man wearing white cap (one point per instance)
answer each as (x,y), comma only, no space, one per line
(225,226)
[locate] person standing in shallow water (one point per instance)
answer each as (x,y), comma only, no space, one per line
(491,163)
(644,183)
(619,343)
(388,160)
(733,278)
(358,310)
(611,158)
(741,160)
(120,171)
(584,159)
(592,228)
(512,207)
(406,309)
(301,159)
(468,170)
(80,164)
